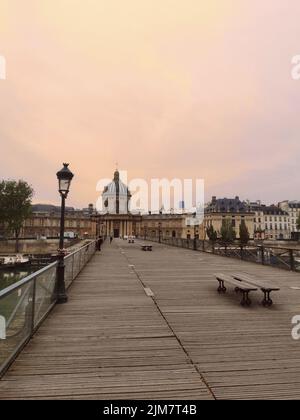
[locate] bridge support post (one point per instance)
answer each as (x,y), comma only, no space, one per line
(292,260)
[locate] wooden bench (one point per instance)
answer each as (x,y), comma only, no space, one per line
(239,286)
(146,247)
(264,286)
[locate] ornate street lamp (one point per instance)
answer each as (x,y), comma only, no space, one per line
(64,177)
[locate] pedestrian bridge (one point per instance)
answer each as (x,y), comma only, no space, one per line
(151,325)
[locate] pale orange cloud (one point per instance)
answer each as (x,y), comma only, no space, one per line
(167,88)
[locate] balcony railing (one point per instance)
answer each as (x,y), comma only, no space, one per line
(25,304)
(279,257)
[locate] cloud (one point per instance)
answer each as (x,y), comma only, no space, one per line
(168,89)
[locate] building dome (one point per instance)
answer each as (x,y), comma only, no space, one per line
(116,196)
(113,187)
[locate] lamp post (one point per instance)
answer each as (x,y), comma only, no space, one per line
(196,225)
(159,232)
(102,229)
(64,177)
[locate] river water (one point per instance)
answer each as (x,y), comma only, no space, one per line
(9,277)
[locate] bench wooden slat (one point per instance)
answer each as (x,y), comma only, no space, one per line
(265,287)
(258,283)
(241,285)
(146,247)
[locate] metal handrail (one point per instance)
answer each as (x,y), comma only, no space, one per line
(34,324)
(259,251)
(79,249)
(26,280)
(10,319)
(31,276)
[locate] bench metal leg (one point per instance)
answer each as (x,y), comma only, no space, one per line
(267,302)
(246,301)
(221,288)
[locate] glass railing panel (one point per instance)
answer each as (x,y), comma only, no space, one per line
(24,305)
(76,264)
(16,312)
(69,261)
(297,260)
(278,257)
(45,295)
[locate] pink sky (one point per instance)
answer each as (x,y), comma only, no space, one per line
(168,88)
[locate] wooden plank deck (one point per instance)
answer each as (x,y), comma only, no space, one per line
(151,325)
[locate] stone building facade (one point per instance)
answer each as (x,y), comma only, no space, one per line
(270,222)
(45,222)
(232,209)
(292,208)
(117,221)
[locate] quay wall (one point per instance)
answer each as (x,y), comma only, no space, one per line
(32,246)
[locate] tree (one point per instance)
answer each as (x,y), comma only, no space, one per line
(244,233)
(212,234)
(228,234)
(15,206)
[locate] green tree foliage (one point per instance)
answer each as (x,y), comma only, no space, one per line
(244,233)
(212,234)
(15,206)
(228,234)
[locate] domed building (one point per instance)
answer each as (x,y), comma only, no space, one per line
(116,220)
(116,196)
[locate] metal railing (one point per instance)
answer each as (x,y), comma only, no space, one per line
(25,304)
(284,258)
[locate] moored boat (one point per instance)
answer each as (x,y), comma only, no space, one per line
(13,261)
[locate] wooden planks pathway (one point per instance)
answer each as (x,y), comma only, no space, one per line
(109,341)
(151,325)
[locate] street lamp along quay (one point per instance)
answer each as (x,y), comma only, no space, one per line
(196,231)
(64,177)
(159,232)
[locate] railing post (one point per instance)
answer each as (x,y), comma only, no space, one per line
(262,249)
(292,259)
(73,267)
(33,306)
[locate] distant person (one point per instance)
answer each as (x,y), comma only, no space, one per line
(111,239)
(99,243)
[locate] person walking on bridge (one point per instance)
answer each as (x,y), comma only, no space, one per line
(99,243)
